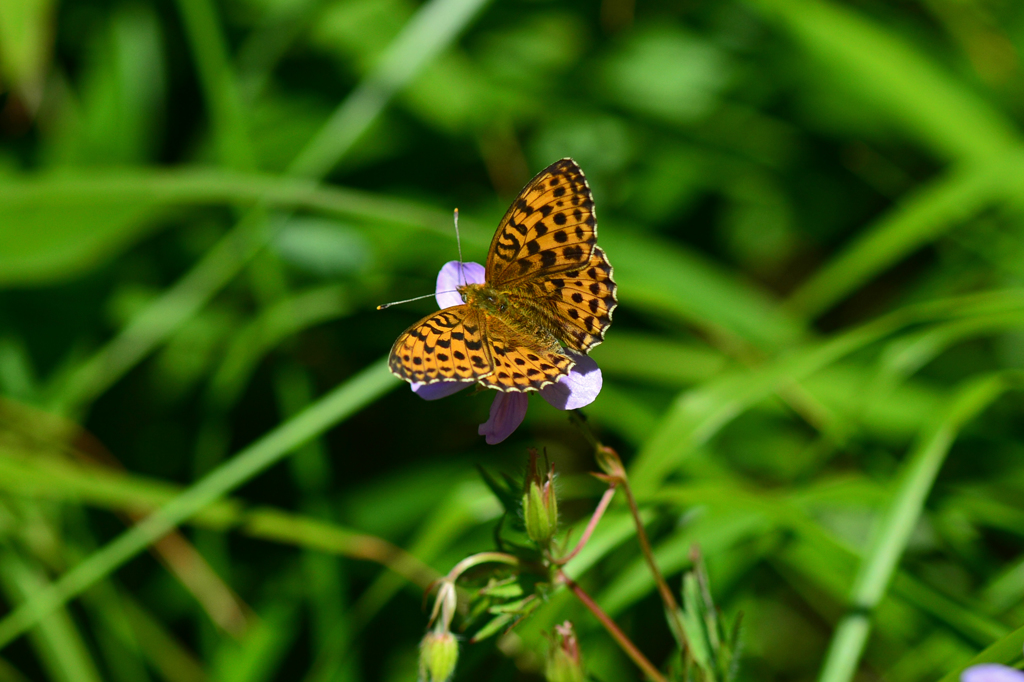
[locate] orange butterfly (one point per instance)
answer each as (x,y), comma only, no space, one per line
(548,286)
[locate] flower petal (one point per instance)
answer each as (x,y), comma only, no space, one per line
(991,672)
(507,412)
(442,389)
(451,277)
(579,387)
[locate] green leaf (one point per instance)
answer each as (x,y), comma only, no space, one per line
(25,42)
(943,114)
(50,236)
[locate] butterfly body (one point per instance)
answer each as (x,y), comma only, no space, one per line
(548,285)
(531,322)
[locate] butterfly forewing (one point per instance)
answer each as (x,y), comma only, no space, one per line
(549,228)
(447,346)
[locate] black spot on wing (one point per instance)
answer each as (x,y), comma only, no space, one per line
(573,253)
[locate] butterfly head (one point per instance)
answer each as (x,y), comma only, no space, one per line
(484,298)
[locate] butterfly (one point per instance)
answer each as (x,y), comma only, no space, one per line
(548,290)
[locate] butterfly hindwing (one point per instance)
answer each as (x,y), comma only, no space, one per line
(549,228)
(583,301)
(522,364)
(448,345)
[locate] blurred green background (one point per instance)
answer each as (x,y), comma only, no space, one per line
(815,211)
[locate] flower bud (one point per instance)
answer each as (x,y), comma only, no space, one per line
(564,661)
(540,503)
(610,464)
(444,605)
(439,652)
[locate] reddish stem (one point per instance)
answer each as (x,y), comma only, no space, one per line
(615,474)
(645,547)
(602,506)
(613,629)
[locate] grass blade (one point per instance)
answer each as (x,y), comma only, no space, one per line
(895,526)
(344,401)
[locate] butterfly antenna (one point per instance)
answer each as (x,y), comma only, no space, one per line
(462,273)
(382,306)
(458,241)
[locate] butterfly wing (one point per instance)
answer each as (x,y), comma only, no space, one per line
(521,362)
(448,345)
(549,228)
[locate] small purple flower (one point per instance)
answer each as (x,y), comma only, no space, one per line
(991,672)
(576,389)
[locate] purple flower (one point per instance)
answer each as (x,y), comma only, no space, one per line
(991,672)
(576,389)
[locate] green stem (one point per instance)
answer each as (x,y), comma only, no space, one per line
(481,558)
